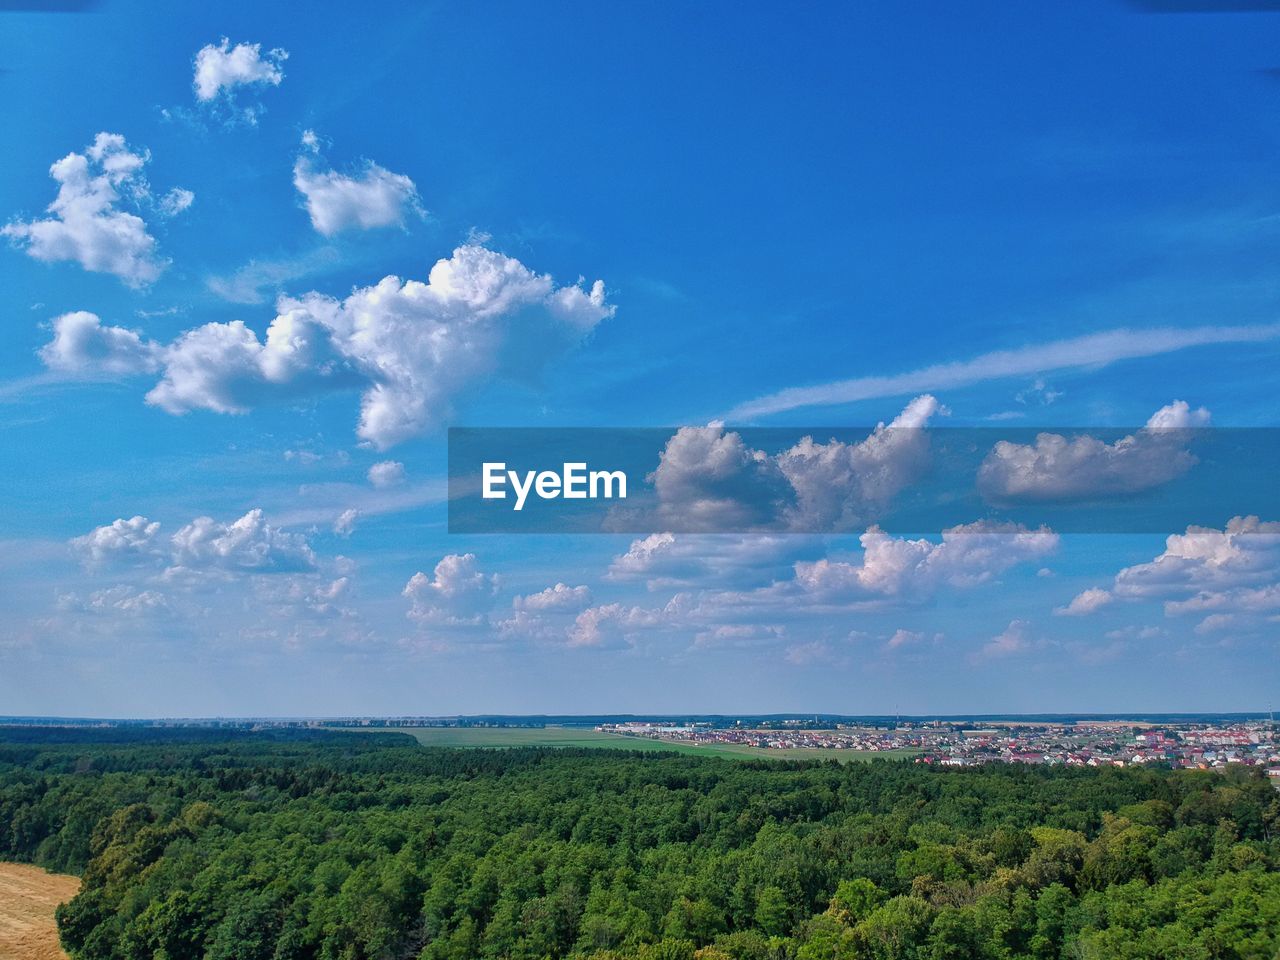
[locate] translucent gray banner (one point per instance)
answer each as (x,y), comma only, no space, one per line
(718,479)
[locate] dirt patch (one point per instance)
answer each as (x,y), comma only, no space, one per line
(28,897)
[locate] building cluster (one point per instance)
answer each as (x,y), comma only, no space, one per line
(1191,745)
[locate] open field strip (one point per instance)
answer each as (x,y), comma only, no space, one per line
(28,898)
(581,737)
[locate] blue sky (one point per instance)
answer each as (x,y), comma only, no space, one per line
(1037,214)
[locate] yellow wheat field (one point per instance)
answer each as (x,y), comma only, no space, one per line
(28,897)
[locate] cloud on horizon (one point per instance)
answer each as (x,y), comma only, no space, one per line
(1230,577)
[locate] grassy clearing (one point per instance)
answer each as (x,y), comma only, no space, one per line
(28,897)
(581,737)
(543,737)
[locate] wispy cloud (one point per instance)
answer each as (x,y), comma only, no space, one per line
(1091,350)
(259,279)
(326,503)
(21,388)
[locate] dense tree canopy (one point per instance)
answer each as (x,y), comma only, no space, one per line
(294,846)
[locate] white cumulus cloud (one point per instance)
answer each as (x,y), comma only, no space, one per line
(373,197)
(222,67)
(1203,560)
(1086,602)
(88,225)
(458,592)
(1084,467)
(666,559)
(249,544)
(559,597)
(967,555)
(133,538)
(710,479)
(82,346)
(611,624)
(387,473)
(838,485)
(122,599)
(1229,576)
(891,572)
(411,347)
(345,524)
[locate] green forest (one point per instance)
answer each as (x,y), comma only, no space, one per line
(301,846)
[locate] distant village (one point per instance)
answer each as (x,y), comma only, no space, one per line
(1119,743)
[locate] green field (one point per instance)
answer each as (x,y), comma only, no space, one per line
(583,737)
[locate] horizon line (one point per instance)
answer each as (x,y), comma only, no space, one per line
(35,719)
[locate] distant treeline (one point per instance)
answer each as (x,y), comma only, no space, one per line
(820,720)
(295,845)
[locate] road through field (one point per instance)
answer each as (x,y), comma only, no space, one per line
(28,897)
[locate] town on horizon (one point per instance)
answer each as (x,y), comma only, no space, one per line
(1181,741)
